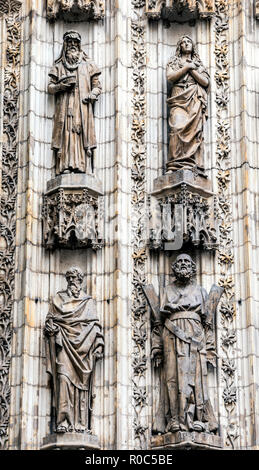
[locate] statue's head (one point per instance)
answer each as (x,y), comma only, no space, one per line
(72,46)
(186,44)
(184,267)
(74,277)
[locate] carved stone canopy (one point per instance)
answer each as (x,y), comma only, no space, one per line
(75,10)
(71,212)
(182,210)
(179,10)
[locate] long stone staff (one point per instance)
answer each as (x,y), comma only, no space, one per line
(52,347)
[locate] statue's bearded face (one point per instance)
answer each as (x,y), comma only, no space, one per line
(183,268)
(73,48)
(74,284)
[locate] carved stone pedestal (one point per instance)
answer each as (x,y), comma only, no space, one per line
(187,441)
(72,212)
(71,441)
(182,210)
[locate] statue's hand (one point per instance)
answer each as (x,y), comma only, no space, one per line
(98,354)
(191,66)
(157,357)
(51,329)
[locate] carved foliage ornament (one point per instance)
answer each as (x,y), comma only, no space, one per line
(257,9)
(79,9)
(138,178)
(179,10)
(8,193)
(225,253)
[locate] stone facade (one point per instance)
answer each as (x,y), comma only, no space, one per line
(131,43)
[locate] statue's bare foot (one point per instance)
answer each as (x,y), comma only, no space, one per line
(198,426)
(172,426)
(79,428)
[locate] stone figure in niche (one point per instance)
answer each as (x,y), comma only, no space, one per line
(183,342)
(74,80)
(187,106)
(74,342)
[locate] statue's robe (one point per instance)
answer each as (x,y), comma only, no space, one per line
(188,111)
(73,131)
(79,335)
(183,343)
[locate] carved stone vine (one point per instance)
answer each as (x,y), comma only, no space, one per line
(75,9)
(10,9)
(225,253)
(138,177)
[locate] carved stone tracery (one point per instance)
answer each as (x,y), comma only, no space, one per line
(75,9)
(10,9)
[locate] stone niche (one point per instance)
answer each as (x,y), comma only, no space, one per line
(75,10)
(182,210)
(72,212)
(180,10)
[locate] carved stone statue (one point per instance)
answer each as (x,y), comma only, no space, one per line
(74,342)
(183,341)
(188,107)
(74,80)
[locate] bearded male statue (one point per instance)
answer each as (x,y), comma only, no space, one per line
(74,342)
(183,342)
(74,80)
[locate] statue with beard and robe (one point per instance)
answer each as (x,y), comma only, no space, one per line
(183,342)
(74,342)
(74,80)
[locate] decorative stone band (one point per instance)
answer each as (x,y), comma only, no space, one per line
(71,212)
(78,10)
(179,10)
(10,14)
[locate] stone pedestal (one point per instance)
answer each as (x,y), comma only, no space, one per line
(71,441)
(182,211)
(72,212)
(187,441)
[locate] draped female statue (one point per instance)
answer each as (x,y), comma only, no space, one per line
(188,107)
